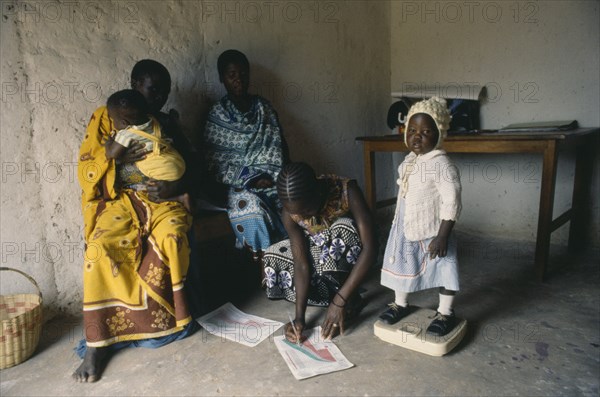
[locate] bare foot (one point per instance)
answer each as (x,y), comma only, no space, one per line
(90,369)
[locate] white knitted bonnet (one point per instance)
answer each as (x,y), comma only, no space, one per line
(437,108)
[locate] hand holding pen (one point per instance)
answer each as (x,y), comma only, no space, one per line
(293,331)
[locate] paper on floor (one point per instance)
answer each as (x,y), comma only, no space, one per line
(315,356)
(230,323)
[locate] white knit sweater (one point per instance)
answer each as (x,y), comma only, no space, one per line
(430,184)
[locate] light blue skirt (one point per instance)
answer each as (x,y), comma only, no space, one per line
(255,218)
(407,266)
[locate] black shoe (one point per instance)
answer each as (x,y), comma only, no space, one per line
(394,313)
(441,324)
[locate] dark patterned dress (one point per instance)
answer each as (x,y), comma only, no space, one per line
(334,245)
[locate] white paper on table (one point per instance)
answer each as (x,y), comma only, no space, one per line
(230,323)
(316,356)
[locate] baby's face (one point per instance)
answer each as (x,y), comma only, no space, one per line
(421,133)
(123,118)
(118,118)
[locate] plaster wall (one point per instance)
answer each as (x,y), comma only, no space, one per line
(540,61)
(324,65)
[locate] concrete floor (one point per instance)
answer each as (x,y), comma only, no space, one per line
(524,338)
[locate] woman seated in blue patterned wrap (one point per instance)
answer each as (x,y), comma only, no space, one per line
(331,247)
(245,150)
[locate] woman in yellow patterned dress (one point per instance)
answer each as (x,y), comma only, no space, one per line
(137,252)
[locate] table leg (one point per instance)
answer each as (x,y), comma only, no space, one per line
(544,231)
(370,184)
(581,194)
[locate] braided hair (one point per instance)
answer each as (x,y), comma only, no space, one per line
(297,181)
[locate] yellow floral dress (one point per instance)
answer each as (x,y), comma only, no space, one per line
(137,251)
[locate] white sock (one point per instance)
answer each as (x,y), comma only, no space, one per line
(401,298)
(445,306)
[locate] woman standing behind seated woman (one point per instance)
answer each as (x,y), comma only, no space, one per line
(331,247)
(245,150)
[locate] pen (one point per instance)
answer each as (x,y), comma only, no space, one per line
(295,330)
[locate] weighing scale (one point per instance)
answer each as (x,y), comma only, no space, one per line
(411,333)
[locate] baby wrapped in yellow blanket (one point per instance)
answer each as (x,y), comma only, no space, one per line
(127,109)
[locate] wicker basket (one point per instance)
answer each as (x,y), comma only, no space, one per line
(21,324)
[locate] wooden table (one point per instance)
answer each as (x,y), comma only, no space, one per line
(545,143)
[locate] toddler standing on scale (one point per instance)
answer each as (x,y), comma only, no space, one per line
(421,250)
